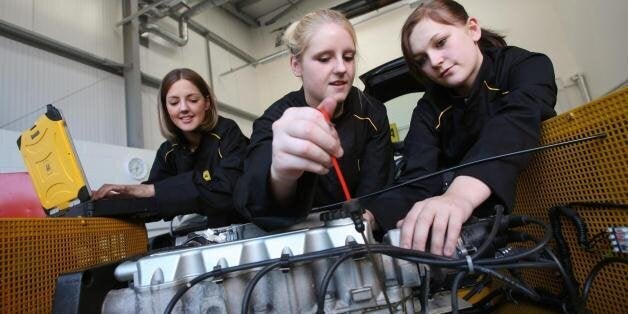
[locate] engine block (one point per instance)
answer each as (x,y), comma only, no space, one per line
(154,279)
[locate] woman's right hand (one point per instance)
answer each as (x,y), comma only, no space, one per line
(303,141)
(124,190)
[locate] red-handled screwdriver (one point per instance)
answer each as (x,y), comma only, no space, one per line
(341,177)
(356,215)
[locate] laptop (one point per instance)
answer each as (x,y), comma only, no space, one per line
(59,180)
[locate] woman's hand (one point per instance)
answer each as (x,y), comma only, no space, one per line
(370,219)
(302,141)
(444,215)
(127,190)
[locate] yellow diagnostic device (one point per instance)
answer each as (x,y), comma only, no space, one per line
(52,162)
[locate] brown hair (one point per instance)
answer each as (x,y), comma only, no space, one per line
(447,12)
(298,34)
(167,127)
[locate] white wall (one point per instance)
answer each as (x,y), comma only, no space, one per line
(160,57)
(596,34)
(238,89)
(379,38)
(400,111)
(85,24)
(92,100)
(150,118)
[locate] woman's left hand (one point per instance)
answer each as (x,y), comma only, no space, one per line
(129,190)
(370,219)
(442,216)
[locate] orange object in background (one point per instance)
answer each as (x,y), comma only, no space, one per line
(18,198)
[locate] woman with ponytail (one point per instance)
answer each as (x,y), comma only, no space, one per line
(482,98)
(287,167)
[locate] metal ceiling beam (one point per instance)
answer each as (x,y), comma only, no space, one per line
(246,3)
(355,8)
(39,41)
(142,11)
(216,39)
(159,13)
(198,28)
(180,40)
(276,14)
(245,18)
(202,5)
(132,77)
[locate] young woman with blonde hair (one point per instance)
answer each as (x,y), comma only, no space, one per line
(287,168)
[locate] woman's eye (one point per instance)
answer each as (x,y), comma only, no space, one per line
(324,59)
(348,57)
(420,61)
(173,102)
(441,42)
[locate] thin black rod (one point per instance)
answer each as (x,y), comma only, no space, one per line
(471,163)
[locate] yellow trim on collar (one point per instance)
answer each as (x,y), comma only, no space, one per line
(440,115)
(369,119)
(168,152)
(491,88)
(495,89)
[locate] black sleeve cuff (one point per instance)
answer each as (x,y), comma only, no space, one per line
(177,195)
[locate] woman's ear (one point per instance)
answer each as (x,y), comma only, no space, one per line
(473,28)
(295,64)
(208,103)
